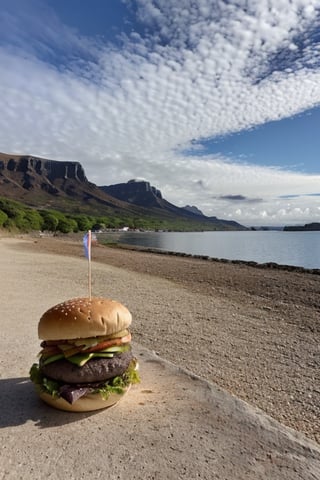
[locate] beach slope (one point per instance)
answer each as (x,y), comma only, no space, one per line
(177,423)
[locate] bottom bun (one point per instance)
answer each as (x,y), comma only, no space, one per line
(87,403)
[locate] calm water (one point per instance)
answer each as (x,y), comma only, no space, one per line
(286,248)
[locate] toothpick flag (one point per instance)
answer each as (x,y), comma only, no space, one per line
(87,252)
(87,245)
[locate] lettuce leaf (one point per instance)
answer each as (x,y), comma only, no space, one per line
(118,384)
(114,385)
(43,383)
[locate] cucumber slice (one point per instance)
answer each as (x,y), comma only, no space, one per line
(53,358)
(115,349)
(103,355)
(80,359)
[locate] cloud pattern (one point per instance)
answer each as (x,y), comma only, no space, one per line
(189,71)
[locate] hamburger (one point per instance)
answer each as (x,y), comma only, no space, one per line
(86,361)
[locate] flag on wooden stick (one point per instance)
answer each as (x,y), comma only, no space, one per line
(87,244)
(87,251)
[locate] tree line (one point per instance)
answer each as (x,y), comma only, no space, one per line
(17,216)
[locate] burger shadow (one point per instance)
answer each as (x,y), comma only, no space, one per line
(20,404)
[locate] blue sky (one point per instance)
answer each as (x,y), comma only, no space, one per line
(215,103)
(292,143)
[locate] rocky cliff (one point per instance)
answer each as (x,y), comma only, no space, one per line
(42,182)
(63,185)
(141,193)
(137,192)
(193,209)
(32,172)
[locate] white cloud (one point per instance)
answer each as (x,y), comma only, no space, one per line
(131,112)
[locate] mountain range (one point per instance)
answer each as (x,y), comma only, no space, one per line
(63,185)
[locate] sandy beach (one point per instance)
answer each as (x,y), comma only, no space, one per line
(234,350)
(254,332)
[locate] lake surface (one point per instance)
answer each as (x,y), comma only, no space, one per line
(285,248)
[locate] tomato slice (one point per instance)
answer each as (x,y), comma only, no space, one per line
(109,343)
(49,350)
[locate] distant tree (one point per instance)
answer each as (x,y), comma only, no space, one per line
(73,222)
(9,224)
(139,223)
(33,220)
(11,208)
(84,222)
(50,220)
(3,218)
(67,225)
(118,222)
(17,215)
(101,222)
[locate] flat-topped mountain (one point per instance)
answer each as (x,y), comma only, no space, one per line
(142,193)
(193,209)
(63,185)
(137,192)
(42,182)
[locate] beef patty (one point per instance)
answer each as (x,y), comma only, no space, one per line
(95,370)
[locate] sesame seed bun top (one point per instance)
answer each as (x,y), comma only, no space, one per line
(83,318)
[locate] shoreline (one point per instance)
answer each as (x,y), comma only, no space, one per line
(252,331)
(249,263)
(269,258)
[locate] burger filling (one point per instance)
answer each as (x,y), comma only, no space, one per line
(73,368)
